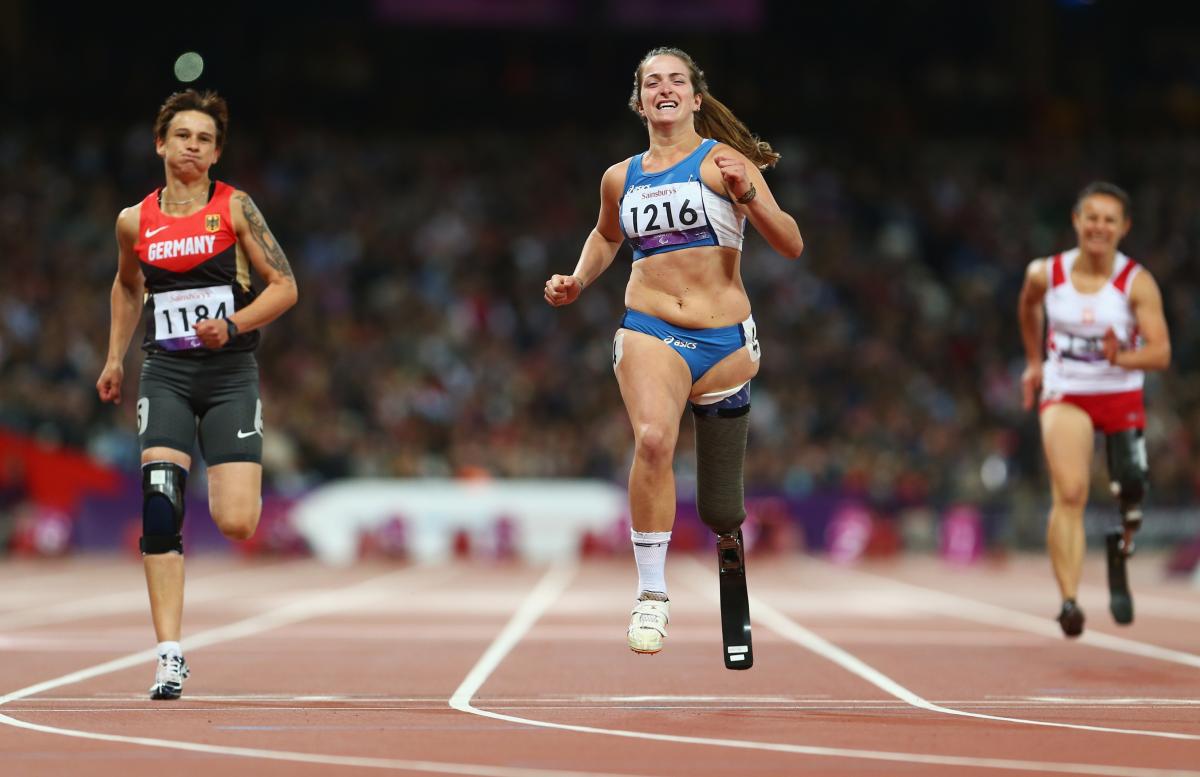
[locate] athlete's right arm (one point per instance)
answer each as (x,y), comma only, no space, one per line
(1032,319)
(601,244)
(126,302)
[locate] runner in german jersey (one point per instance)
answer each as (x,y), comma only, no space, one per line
(1101,314)
(687,335)
(186,257)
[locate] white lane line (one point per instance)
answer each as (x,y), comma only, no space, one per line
(395,764)
(123,601)
(366,702)
(555,582)
(328,602)
(544,594)
(943,603)
(1149,604)
(703,580)
(785,626)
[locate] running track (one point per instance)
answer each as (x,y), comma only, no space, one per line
(904,668)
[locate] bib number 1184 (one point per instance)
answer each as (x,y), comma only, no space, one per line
(176,314)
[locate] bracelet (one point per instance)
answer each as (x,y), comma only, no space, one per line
(750,194)
(582,286)
(231,327)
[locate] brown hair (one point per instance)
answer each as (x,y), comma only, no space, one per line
(190,100)
(713,120)
(1107,189)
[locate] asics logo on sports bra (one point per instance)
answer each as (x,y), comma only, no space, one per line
(153,232)
(184,246)
(670,340)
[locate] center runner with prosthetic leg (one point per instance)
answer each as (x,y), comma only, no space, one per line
(687,335)
(1104,327)
(185,254)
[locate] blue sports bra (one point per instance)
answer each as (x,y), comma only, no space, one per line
(673,209)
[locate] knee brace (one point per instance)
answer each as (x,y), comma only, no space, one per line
(163,485)
(721,432)
(1128,473)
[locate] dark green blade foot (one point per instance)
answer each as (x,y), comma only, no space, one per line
(1120,601)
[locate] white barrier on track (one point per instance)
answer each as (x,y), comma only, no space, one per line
(543,519)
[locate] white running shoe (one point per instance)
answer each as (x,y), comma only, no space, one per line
(168,678)
(648,626)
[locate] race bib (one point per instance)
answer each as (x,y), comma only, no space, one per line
(669,214)
(176,314)
(1078,348)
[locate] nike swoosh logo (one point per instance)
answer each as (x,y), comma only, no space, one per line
(243,435)
(153,232)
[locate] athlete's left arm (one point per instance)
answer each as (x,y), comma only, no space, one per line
(1145,299)
(269,261)
(740,177)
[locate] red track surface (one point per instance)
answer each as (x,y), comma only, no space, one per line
(858,671)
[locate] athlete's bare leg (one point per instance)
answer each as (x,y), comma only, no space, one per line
(1067,437)
(164,571)
(235,497)
(655,384)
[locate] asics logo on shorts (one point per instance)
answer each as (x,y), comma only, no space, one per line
(670,340)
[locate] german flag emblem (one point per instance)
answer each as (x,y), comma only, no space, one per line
(212,222)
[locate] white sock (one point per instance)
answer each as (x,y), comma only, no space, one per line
(650,552)
(169,648)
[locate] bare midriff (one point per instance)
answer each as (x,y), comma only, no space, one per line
(693,288)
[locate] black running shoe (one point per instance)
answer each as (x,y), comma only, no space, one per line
(1120,601)
(1070,617)
(168,678)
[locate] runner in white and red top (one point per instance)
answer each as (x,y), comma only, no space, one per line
(1101,314)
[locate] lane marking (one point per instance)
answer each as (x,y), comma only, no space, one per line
(395,764)
(544,594)
(994,615)
(554,583)
(327,602)
(783,625)
(122,601)
(1149,604)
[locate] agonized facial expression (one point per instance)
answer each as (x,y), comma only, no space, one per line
(667,93)
(191,142)
(1100,223)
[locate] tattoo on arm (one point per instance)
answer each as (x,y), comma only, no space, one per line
(262,235)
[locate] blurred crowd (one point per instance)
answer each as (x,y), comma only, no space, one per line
(421,345)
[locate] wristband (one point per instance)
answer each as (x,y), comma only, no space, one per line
(231,327)
(750,194)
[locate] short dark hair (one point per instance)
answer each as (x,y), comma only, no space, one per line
(1107,189)
(190,100)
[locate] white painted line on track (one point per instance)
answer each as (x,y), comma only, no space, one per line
(123,601)
(1149,604)
(395,764)
(327,602)
(943,603)
(703,580)
(555,582)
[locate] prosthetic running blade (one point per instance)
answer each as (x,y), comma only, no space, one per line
(735,602)
(1120,601)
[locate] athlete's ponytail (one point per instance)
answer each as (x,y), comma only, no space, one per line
(714,119)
